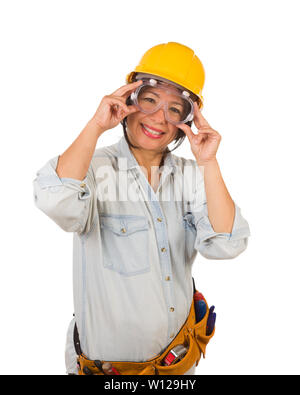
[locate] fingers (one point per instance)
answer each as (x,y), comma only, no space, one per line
(127,89)
(206,130)
(203,133)
(187,130)
(117,104)
(199,119)
(132,108)
(122,110)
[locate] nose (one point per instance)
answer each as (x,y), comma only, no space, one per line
(159,116)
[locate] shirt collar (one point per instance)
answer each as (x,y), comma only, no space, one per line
(129,161)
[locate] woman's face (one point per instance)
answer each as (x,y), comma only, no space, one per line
(141,126)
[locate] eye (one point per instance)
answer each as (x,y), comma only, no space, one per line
(149,99)
(174,109)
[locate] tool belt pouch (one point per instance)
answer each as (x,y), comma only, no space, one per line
(192,335)
(199,333)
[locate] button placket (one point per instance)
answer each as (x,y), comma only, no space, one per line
(162,240)
(167,268)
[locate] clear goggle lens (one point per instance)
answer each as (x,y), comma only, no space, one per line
(178,108)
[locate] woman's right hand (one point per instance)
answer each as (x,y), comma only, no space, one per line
(113,109)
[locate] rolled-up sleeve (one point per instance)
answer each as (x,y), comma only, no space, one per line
(70,203)
(214,245)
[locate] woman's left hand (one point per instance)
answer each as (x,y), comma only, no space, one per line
(204,145)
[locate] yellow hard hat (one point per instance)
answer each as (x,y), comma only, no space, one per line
(174,62)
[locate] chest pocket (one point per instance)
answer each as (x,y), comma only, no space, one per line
(190,235)
(125,242)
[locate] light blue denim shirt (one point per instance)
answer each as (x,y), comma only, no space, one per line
(133,249)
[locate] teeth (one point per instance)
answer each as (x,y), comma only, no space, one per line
(151,131)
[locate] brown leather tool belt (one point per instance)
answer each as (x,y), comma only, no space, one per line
(192,335)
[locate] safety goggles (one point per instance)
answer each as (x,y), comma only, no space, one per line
(154,94)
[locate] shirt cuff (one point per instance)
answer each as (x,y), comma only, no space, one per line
(48,178)
(240,229)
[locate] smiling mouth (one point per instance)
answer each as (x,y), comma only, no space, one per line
(154,132)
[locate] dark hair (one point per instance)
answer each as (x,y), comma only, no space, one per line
(178,139)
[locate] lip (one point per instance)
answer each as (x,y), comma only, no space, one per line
(149,134)
(155,130)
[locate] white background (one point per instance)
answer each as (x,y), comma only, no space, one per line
(59,58)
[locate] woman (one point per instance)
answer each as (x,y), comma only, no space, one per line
(139,215)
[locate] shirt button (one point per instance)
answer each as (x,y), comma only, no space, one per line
(172,335)
(159,219)
(172,309)
(167,278)
(163,249)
